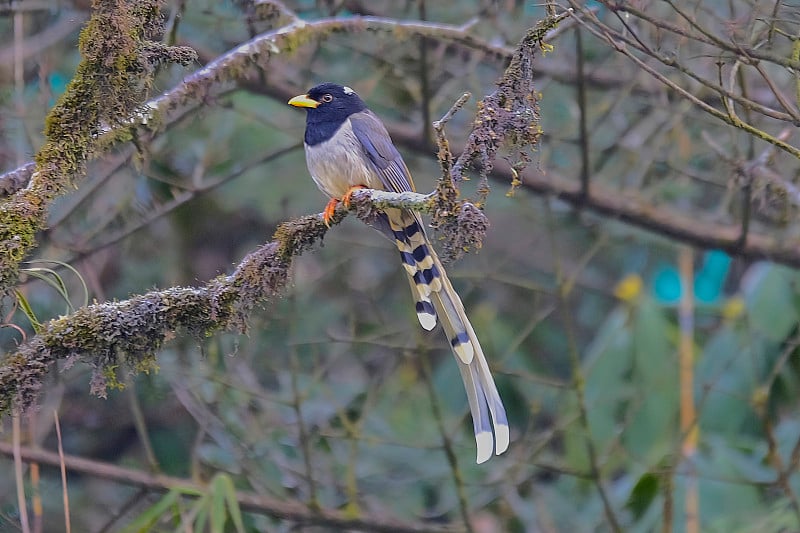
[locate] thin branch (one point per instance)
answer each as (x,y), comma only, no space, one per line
(579,379)
(52,35)
(81,251)
(604,31)
(628,7)
(15,451)
(247,500)
(63,469)
(302,430)
(447,444)
(689,427)
(583,110)
(782,480)
(132,331)
(621,46)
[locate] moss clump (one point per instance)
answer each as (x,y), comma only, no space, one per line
(510,115)
(113,78)
(20,218)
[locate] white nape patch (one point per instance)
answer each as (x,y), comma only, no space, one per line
(348,90)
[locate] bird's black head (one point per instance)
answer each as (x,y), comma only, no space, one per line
(328,106)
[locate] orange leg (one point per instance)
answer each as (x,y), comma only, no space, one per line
(327,214)
(330,209)
(349,195)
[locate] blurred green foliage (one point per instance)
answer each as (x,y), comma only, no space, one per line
(323,401)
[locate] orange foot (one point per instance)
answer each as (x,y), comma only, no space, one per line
(349,195)
(330,209)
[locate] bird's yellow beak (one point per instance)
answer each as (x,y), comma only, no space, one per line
(303,101)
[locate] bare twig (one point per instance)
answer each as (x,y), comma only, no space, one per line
(690,430)
(305,447)
(248,501)
(579,380)
(583,130)
(447,444)
(705,37)
(63,468)
(16,453)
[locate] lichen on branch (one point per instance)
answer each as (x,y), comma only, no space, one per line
(119,59)
(126,335)
(509,116)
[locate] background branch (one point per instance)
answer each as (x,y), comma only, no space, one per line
(323,403)
(247,501)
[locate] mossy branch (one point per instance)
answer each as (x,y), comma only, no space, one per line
(130,332)
(509,116)
(127,334)
(102,105)
(115,74)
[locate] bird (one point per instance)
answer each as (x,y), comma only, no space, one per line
(348,148)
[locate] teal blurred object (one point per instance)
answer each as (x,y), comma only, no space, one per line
(58,84)
(711,277)
(708,281)
(667,284)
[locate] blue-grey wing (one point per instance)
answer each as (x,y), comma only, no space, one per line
(403,226)
(378,147)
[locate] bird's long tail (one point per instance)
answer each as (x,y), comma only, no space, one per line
(435,297)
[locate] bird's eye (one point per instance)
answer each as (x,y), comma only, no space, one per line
(327,98)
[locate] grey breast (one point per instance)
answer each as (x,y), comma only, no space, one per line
(340,163)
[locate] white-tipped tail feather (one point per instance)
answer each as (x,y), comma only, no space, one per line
(485,442)
(488,414)
(434,297)
(425,311)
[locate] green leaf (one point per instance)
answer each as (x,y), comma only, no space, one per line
(148,518)
(643,494)
(27,310)
(607,366)
(654,407)
(726,375)
(233,505)
(50,277)
(85,299)
(768,293)
(54,280)
(202,514)
(718,496)
(218,496)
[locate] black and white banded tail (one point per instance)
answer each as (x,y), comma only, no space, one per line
(434,297)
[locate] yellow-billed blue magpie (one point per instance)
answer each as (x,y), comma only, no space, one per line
(347,148)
